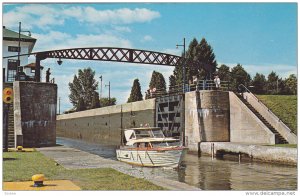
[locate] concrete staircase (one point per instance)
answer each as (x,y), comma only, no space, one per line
(278,138)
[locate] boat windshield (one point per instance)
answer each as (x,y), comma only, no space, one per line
(153,133)
(158,133)
(160,144)
(142,133)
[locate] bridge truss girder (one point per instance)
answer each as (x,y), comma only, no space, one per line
(125,55)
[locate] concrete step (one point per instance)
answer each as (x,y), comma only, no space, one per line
(278,136)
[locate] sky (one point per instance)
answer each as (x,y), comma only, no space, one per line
(262,37)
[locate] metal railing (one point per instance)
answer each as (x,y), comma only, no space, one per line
(180,88)
(209,85)
(241,86)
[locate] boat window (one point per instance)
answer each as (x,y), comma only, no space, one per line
(158,134)
(132,136)
(141,145)
(142,133)
(159,144)
(174,143)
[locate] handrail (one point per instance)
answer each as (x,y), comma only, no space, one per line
(261,103)
(178,88)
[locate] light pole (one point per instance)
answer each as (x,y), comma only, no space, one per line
(108,92)
(19,42)
(183,66)
(100,86)
(58,105)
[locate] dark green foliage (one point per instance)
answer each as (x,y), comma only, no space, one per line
(172,80)
(224,72)
(104,101)
(95,101)
(80,105)
(259,84)
(239,76)
(291,84)
(135,94)
(272,83)
(158,82)
(176,77)
(83,86)
(70,111)
(203,54)
(192,55)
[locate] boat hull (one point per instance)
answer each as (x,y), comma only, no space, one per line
(152,158)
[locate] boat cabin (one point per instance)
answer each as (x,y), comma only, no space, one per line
(138,133)
(148,137)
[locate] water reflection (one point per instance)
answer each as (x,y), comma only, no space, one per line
(208,174)
(217,174)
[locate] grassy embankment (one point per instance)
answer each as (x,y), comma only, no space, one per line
(21,166)
(285,107)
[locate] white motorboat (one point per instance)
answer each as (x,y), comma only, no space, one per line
(148,146)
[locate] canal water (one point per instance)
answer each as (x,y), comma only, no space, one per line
(211,174)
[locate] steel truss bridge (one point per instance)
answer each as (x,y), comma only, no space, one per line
(125,55)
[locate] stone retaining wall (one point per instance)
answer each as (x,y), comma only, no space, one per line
(103,125)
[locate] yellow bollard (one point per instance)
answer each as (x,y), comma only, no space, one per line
(19,148)
(38,180)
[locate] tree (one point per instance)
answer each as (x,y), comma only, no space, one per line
(259,83)
(95,101)
(282,88)
(84,86)
(191,55)
(157,81)
(80,105)
(104,101)
(206,56)
(135,94)
(291,84)
(272,83)
(224,73)
(172,81)
(176,77)
(199,56)
(239,76)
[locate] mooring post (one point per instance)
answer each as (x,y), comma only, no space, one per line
(239,157)
(199,149)
(212,150)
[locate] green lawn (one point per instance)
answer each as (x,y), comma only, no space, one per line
(283,106)
(286,145)
(21,166)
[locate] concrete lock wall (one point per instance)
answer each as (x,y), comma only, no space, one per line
(103,125)
(206,117)
(35,113)
(245,127)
